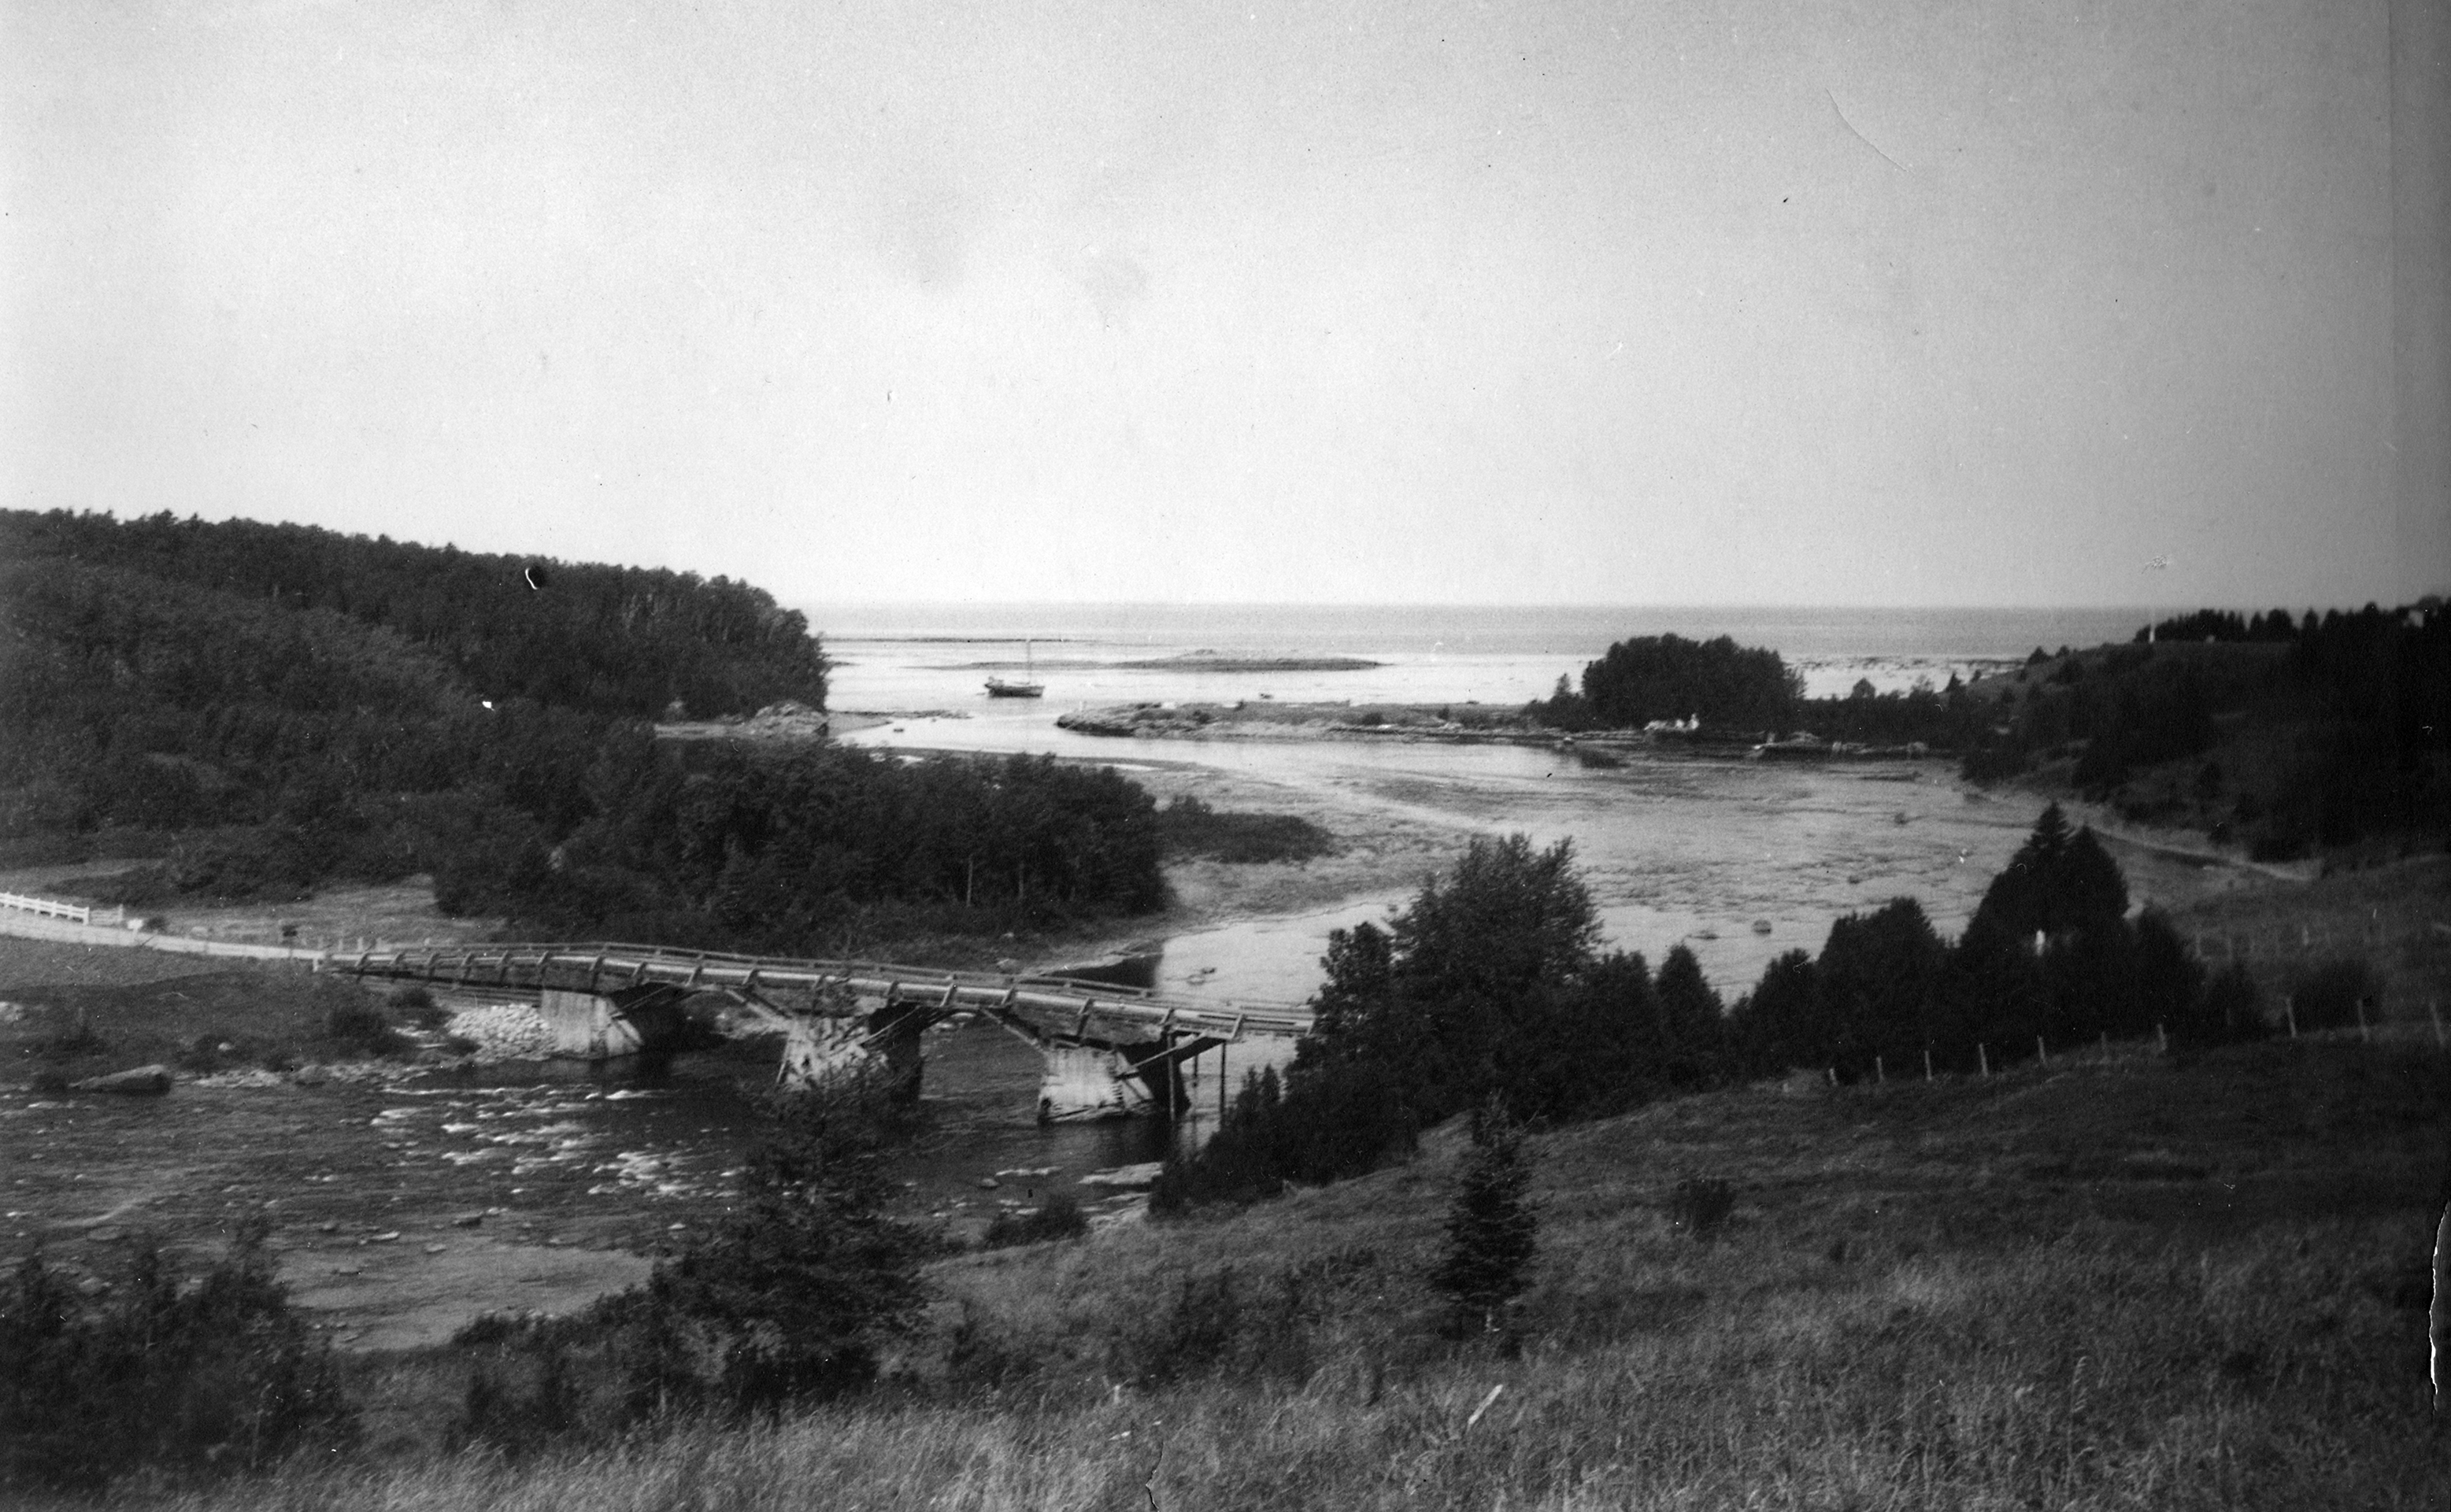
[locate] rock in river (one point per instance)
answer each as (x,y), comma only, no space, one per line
(1126,1178)
(142,1081)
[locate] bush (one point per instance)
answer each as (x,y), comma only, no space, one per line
(76,1039)
(362,1027)
(789,1301)
(2231,1008)
(1059,1217)
(213,1377)
(2326,994)
(1702,1206)
(981,1355)
(1189,827)
(1219,1326)
(416,1005)
(526,1397)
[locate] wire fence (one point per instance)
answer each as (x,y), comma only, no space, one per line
(2316,940)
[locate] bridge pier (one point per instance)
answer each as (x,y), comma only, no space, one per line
(1083,1083)
(821,1050)
(599,1026)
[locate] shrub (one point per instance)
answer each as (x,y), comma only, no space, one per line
(1189,827)
(209,1052)
(789,1300)
(416,1005)
(2230,1009)
(77,1038)
(981,1355)
(212,1377)
(2326,994)
(364,1028)
(526,1397)
(1219,1326)
(1702,1206)
(1059,1217)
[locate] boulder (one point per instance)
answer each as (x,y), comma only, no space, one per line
(142,1081)
(1126,1178)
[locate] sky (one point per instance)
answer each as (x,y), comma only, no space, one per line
(1728,302)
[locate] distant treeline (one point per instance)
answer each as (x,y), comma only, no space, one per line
(2286,733)
(1490,985)
(2226,625)
(263,708)
(2338,731)
(622,641)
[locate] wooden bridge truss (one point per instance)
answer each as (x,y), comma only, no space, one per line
(1109,1049)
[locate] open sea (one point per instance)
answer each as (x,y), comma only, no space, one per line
(908,657)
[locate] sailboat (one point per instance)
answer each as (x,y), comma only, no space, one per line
(1030,687)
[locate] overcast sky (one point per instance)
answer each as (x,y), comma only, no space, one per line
(1726,302)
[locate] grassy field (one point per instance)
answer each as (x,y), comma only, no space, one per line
(2133,1282)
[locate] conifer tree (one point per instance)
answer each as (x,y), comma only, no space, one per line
(1490,1227)
(1692,1020)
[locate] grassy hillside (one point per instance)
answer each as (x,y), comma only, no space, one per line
(2135,1282)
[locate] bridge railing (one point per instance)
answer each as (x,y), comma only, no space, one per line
(602,967)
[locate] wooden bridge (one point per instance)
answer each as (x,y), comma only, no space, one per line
(1110,1051)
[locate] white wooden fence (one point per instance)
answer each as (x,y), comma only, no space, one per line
(74,913)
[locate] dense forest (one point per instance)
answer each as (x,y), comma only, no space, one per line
(1491,987)
(259,709)
(2336,732)
(2285,735)
(816,851)
(605,640)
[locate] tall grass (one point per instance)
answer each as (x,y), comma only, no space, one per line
(2079,1373)
(1897,1314)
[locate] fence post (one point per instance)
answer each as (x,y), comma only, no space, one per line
(1878,1074)
(1983,1057)
(1926,1054)
(2040,1054)
(2290,1006)
(2161,1039)
(2363,1037)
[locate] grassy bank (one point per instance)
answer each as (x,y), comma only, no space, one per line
(2137,1282)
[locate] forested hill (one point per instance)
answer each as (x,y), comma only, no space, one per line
(174,676)
(262,709)
(608,640)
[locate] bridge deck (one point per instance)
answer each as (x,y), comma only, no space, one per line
(613,967)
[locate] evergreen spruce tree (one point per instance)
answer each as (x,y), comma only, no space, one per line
(1490,1228)
(1692,1020)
